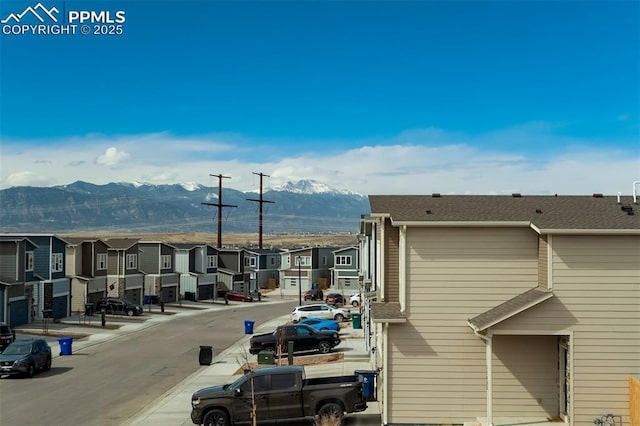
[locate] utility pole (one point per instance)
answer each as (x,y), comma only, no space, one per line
(260,201)
(219,205)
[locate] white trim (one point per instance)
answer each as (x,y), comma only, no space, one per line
(464,224)
(402,273)
(385,375)
(591,231)
(381,266)
(523,308)
(550,262)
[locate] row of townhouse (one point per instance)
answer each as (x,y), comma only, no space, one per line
(502,309)
(42,275)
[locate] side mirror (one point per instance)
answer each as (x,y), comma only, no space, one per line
(239,392)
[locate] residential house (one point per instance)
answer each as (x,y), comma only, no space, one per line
(197,264)
(346,270)
(47,290)
(306,268)
(497,309)
(125,280)
(16,268)
(157,262)
(231,271)
(87,267)
(263,266)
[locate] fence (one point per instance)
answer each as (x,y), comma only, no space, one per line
(634,401)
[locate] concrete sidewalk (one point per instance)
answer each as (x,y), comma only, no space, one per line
(174,407)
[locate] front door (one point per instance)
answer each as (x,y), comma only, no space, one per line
(564,375)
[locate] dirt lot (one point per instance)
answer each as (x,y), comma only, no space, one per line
(235,240)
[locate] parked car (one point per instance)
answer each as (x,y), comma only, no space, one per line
(313,294)
(237,296)
(334,299)
(26,357)
(321,324)
(112,305)
(304,338)
(320,310)
(355,299)
(278,394)
(6,336)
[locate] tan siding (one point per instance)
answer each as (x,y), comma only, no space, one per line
(596,282)
(454,274)
(391,278)
(543,263)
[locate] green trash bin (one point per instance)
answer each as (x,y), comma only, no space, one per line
(266,357)
(356,317)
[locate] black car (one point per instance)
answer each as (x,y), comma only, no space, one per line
(6,336)
(26,357)
(304,338)
(118,306)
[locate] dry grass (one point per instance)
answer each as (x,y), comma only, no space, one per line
(240,240)
(328,421)
(299,360)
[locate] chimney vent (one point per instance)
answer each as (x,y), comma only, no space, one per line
(516,195)
(428,211)
(436,195)
(539,211)
(598,195)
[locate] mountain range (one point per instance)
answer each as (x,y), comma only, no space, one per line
(302,206)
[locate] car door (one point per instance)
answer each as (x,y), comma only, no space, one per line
(41,354)
(304,338)
(252,390)
(285,396)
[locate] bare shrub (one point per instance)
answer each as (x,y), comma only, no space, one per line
(328,420)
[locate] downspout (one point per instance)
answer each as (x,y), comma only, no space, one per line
(635,196)
(385,381)
(403,268)
(488,355)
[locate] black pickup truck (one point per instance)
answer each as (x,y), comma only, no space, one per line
(277,393)
(304,338)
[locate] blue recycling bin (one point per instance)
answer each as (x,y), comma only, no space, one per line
(248,326)
(368,383)
(65,345)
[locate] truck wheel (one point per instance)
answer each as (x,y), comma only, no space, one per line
(324,347)
(31,370)
(216,418)
(331,411)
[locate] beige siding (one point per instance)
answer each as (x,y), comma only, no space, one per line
(596,282)
(437,365)
(525,376)
(543,263)
(391,278)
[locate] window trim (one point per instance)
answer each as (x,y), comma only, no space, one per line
(101,261)
(29,261)
(165,261)
(212,261)
(343,260)
(131,261)
(57,263)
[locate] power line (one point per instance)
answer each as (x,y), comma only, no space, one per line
(219,205)
(261,201)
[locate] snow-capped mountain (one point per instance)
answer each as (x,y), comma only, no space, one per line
(310,186)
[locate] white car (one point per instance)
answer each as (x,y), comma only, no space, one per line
(320,310)
(355,299)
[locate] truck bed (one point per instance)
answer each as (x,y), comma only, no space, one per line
(331,380)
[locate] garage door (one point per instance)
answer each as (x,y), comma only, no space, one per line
(205,292)
(18,313)
(133,296)
(170,294)
(59,307)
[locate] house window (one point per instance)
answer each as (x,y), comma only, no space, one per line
(273,261)
(165,261)
(29,265)
(303,260)
(132,261)
(250,261)
(56,262)
(343,260)
(101,261)
(212,261)
(324,260)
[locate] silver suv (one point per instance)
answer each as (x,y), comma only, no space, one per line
(320,310)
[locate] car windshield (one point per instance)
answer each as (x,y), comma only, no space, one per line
(20,349)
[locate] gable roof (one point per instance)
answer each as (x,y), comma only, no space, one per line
(122,243)
(511,307)
(547,214)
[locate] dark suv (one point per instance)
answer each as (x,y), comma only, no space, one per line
(25,357)
(112,305)
(6,336)
(314,294)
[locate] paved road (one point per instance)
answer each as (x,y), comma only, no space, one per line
(107,383)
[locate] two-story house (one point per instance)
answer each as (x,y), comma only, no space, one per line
(157,260)
(125,280)
(87,261)
(16,268)
(346,270)
(306,268)
(231,271)
(263,266)
(197,264)
(502,309)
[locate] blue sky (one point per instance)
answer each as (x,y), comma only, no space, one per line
(479,97)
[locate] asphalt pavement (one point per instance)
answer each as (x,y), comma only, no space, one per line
(174,407)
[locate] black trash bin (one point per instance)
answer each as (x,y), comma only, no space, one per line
(88,309)
(206,355)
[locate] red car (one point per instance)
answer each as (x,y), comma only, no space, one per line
(313,294)
(334,299)
(237,296)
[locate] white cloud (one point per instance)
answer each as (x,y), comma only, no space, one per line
(418,161)
(112,157)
